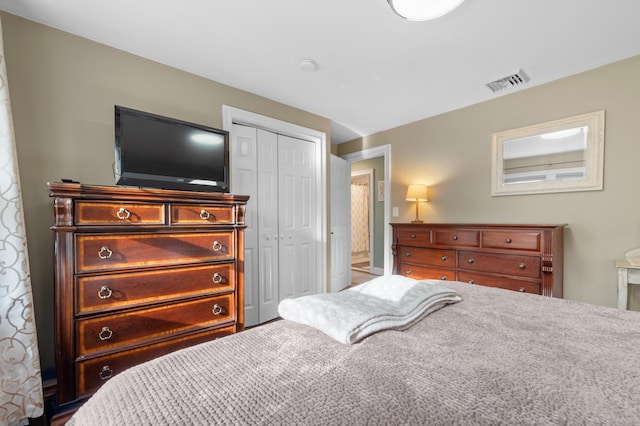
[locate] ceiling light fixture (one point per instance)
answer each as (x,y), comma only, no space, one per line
(308,65)
(423,10)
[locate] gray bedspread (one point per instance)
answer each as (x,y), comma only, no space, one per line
(496,358)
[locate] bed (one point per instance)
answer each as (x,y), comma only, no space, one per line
(496,357)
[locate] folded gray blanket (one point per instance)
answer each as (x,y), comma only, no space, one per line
(385,303)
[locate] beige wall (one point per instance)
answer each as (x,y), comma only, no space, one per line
(63,89)
(452,154)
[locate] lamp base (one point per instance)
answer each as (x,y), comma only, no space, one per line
(417,221)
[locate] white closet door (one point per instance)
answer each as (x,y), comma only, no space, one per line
(244,181)
(298,215)
(278,173)
(268,241)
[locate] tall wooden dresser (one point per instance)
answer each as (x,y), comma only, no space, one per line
(526,258)
(140,273)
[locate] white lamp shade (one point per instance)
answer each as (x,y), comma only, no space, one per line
(423,10)
(417,193)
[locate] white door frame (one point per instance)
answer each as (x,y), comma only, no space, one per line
(232,115)
(381,151)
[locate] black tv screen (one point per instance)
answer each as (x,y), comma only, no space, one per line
(160,152)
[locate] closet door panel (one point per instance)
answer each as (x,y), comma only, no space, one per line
(289,260)
(288,277)
(244,180)
(269,291)
(306,284)
(297,188)
(269,228)
(306,238)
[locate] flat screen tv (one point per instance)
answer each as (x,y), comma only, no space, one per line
(160,152)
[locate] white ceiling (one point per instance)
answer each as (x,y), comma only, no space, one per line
(375,70)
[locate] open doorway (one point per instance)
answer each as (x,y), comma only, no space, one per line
(362,219)
(381,190)
(367,215)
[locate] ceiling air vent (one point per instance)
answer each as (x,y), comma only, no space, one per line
(510,81)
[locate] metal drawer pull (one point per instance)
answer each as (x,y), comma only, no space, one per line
(217,278)
(204,215)
(217,246)
(106,372)
(407,272)
(443,277)
(413,235)
(470,282)
(454,238)
(470,260)
(444,258)
(408,254)
(508,241)
(521,289)
(104,253)
(522,266)
(105,334)
(123,214)
(217,309)
(104,292)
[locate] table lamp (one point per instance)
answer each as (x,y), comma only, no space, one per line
(417,193)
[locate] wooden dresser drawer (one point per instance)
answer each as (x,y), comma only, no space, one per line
(104,213)
(117,291)
(119,251)
(419,237)
(185,214)
(516,265)
(456,237)
(426,273)
(92,373)
(513,240)
(430,257)
(524,286)
(113,331)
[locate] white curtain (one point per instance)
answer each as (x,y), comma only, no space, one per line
(20,379)
(359,218)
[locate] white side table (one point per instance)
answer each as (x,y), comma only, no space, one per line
(628,273)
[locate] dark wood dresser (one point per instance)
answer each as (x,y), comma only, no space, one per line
(140,273)
(525,258)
